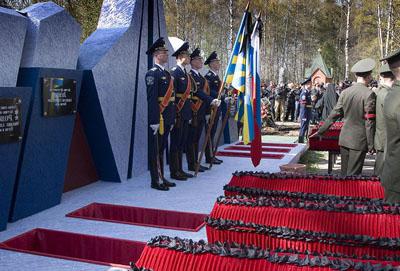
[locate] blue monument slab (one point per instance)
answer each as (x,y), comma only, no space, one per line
(46,143)
(52,39)
(10,151)
(12,36)
(111,55)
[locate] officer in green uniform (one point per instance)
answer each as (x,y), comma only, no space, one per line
(356,105)
(390,176)
(386,81)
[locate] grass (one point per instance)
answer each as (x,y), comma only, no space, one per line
(311,159)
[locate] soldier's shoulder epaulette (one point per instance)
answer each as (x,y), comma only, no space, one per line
(209,74)
(153,69)
(173,69)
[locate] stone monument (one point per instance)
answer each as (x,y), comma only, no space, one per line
(14,104)
(49,62)
(110,60)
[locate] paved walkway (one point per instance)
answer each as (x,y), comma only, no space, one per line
(196,195)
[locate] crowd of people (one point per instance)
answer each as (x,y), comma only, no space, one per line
(282,102)
(368,108)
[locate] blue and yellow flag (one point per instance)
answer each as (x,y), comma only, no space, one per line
(241,80)
(230,70)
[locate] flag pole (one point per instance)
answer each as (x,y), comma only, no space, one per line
(214,111)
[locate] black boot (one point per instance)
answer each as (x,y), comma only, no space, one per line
(165,181)
(190,157)
(301,139)
(174,168)
(183,173)
(159,186)
(155,181)
(208,155)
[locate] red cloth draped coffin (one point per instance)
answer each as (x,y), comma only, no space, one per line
(329,185)
(366,221)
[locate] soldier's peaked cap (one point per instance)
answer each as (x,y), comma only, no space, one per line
(183,49)
(213,56)
(306,81)
(363,66)
(392,57)
(385,69)
(158,45)
(195,54)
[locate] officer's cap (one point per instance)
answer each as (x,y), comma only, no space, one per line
(183,49)
(393,57)
(195,54)
(385,69)
(158,45)
(213,56)
(363,66)
(306,81)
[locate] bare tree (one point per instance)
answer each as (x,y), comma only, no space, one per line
(346,46)
(389,26)
(380,39)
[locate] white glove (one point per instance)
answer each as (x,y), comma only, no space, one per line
(155,128)
(190,122)
(227,99)
(207,118)
(216,102)
(172,127)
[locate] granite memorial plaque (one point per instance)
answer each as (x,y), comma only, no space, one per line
(10,120)
(59,96)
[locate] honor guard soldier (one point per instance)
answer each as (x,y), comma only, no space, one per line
(305,108)
(201,101)
(214,83)
(390,176)
(183,94)
(386,79)
(356,105)
(161,113)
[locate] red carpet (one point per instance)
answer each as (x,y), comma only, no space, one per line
(185,255)
(76,247)
(247,148)
(141,216)
(247,154)
(323,185)
(285,145)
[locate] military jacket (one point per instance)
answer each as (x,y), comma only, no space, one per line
(214,82)
(356,105)
(200,94)
(391,170)
(157,82)
(180,85)
(380,132)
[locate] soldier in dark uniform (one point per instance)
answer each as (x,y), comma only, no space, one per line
(215,83)
(183,94)
(390,177)
(356,105)
(386,82)
(161,113)
(201,102)
(305,108)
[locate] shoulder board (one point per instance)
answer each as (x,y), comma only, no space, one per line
(153,69)
(209,73)
(173,69)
